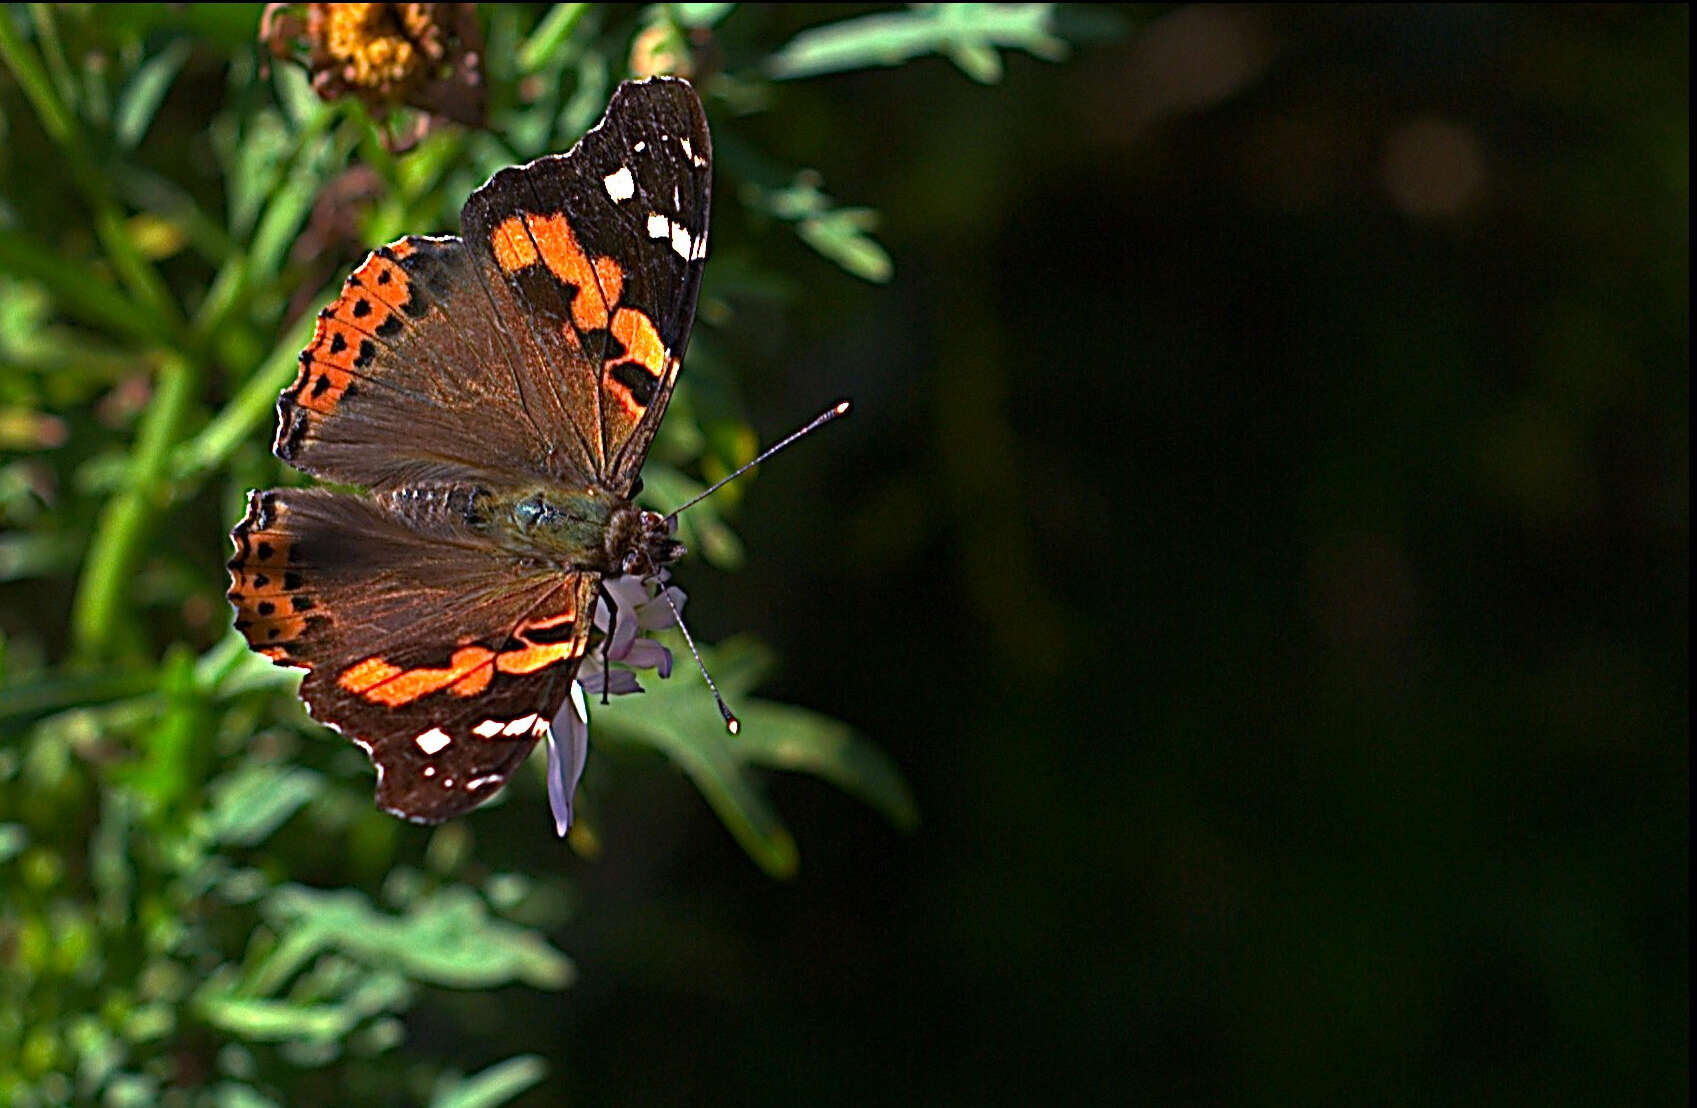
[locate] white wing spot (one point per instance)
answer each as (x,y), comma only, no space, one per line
(430,771)
(520,726)
(658,226)
(433,741)
(621,186)
(488,729)
(640,147)
(682,242)
(478,782)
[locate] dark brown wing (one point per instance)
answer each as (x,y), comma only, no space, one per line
(596,256)
(411,378)
(421,642)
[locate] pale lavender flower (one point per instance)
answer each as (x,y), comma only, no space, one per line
(640,609)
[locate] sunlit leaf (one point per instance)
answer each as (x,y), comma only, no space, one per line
(253,802)
(967,34)
(496,1085)
(140,100)
(449,938)
(676,716)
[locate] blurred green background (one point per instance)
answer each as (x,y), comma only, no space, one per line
(1261,545)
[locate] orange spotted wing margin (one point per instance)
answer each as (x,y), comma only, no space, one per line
(421,641)
(409,380)
(596,256)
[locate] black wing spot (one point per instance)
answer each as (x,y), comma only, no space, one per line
(367,351)
(602,340)
(539,636)
(362,308)
(338,343)
(638,379)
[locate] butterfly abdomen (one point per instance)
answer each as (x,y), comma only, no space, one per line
(429,506)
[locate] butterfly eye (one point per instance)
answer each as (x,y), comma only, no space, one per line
(528,511)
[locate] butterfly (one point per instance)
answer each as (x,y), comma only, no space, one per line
(496,393)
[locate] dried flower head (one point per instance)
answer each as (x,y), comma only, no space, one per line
(424,56)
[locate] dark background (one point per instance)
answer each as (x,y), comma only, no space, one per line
(1261,538)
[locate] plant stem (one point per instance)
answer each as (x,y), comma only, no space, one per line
(109,573)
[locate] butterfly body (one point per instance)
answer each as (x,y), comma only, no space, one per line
(496,392)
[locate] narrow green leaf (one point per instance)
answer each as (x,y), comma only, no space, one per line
(700,15)
(13,838)
(962,32)
(248,805)
(498,1084)
(841,237)
(139,102)
(74,288)
(446,939)
(259,1020)
(782,736)
(550,35)
(676,717)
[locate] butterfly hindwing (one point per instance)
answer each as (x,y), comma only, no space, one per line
(600,252)
(420,641)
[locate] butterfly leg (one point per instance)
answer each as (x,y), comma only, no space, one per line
(607,642)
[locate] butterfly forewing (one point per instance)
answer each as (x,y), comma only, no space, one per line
(606,245)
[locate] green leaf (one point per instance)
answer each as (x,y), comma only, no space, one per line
(782,736)
(75,288)
(449,938)
(545,43)
(140,100)
(13,838)
(496,1085)
(702,528)
(700,15)
(967,34)
(276,1020)
(676,717)
(841,235)
(248,805)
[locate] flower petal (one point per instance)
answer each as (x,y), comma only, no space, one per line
(648,654)
(621,682)
(568,749)
(657,614)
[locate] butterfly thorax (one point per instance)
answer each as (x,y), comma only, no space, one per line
(591,529)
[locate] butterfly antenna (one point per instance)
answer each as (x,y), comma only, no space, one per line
(732,723)
(824,417)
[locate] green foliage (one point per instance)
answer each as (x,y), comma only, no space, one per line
(200,903)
